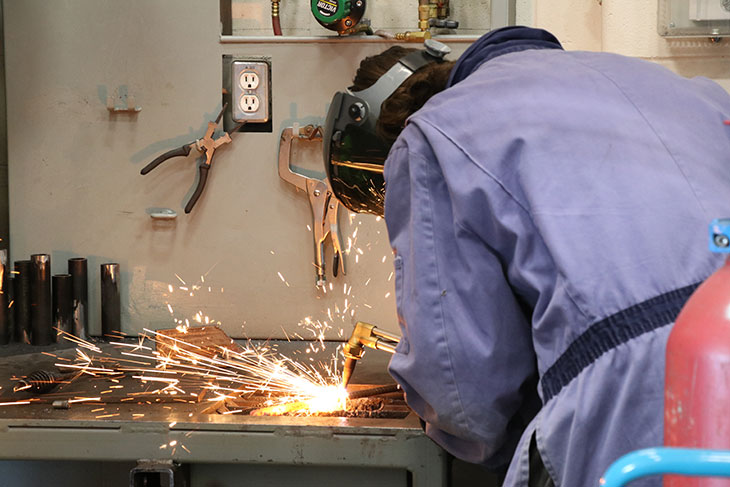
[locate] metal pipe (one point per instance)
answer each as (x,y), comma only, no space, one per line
(21,300)
(5,330)
(10,293)
(385,34)
(41,321)
(374,391)
(111,311)
(384,334)
(62,303)
(679,461)
(386,347)
(78,269)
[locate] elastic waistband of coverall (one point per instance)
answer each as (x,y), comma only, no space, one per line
(609,333)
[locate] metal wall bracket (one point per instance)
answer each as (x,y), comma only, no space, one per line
(131,107)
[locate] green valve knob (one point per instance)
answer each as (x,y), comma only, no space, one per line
(330,11)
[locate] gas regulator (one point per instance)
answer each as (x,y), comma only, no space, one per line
(338,15)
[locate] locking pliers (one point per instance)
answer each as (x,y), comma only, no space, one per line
(322,201)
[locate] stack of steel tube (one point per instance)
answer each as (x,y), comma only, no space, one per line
(45,305)
(36,306)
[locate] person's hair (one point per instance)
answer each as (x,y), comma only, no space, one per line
(409,97)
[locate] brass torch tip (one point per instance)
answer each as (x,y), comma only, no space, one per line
(347,370)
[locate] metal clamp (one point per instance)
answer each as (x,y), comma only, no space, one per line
(324,205)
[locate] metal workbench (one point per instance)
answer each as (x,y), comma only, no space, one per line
(218,449)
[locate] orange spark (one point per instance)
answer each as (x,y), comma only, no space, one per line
(14,403)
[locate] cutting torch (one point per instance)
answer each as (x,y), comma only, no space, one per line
(207,146)
(365,335)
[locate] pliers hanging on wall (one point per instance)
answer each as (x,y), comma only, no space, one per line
(324,205)
(207,145)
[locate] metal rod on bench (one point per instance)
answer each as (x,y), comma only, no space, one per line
(78,268)
(21,303)
(40,300)
(62,303)
(111,317)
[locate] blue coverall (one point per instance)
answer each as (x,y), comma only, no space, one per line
(548,213)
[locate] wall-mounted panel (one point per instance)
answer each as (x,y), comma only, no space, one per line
(629,28)
(244,255)
(692,18)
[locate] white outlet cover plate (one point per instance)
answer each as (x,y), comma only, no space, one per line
(250,112)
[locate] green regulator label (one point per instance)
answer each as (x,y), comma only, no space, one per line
(327,8)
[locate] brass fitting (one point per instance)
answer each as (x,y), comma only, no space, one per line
(423,10)
(353,348)
(275,8)
(367,335)
(443,9)
(433,8)
(413,36)
(364,335)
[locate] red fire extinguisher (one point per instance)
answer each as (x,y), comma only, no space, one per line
(697,380)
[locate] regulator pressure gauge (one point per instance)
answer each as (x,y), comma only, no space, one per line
(338,15)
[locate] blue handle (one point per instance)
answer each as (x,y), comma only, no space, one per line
(657,461)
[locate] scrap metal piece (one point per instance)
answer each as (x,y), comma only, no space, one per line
(41,381)
(61,404)
(209,341)
(374,391)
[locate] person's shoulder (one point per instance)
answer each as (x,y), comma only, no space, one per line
(412,140)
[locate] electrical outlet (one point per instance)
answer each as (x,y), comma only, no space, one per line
(250,91)
(249,80)
(249,103)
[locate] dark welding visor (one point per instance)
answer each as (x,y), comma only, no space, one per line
(354,155)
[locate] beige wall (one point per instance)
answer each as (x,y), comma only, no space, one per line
(629,27)
(74,169)
(75,187)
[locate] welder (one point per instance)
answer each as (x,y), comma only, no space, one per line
(547,212)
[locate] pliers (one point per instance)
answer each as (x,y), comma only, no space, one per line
(207,145)
(322,201)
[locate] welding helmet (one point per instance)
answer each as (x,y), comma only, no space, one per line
(354,155)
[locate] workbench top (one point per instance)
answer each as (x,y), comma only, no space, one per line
(125,401)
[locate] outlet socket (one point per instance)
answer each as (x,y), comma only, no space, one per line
(250,91)
(249,103)
(249,80)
